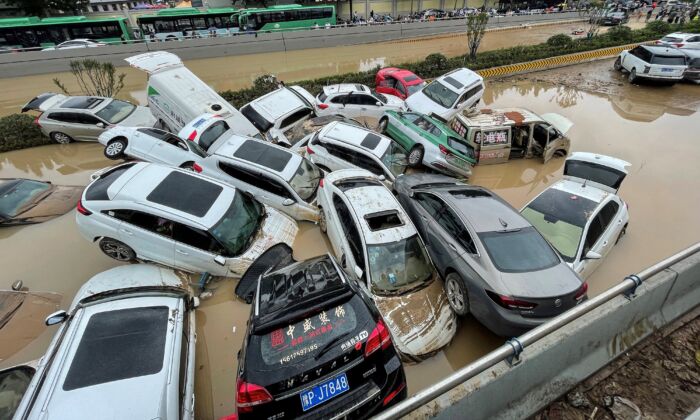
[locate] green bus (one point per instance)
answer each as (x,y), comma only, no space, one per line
(31,32)
(285,17)
(178,23)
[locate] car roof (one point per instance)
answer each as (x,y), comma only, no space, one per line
(83,102)
(277,104)
(583,190)
(663,50)
(360,137)
(680,35)
(484,211)
(459,80)
(345,88)
(502,116)
(401,74)
(262,154)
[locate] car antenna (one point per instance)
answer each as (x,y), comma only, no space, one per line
(584,183)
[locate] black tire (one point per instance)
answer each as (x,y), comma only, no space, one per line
(618,64)
(457,295)
(633,76)
(383,123)
(61,138)
(115,148)
(117,250)
(622,233)
(322,222)
(415,156)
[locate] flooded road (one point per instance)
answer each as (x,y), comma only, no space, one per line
(654,128)
(237,72)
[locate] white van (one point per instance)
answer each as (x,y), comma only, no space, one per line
(177,96)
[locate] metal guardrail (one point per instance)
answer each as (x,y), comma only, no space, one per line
(511,350)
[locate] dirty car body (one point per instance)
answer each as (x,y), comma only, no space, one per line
(26,201)
(398,82)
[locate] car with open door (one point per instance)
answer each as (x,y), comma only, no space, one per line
(27,201)
(496,266)
(582,215)
(378,247)
(398,82)
(498,135)
(315,345)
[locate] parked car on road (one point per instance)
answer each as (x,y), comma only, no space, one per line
(127,344)
(176,96)
(449,94)
(398,82)
(692,73)
(614,18)
(344,146)
(178,218)
(496,266)
(582,216)
(355,100)
(680,40)
(27,201)
(430,142)
(378,247)
(650,62)
(498,135)
(279,112)
(315,345)
(75,43)
(65,119)
(151,145)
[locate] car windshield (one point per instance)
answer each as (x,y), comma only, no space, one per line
(238,227)
(305,181)
(395,159)
(116,111)
(518,251)
(398,265)
(379,96)
(560,217)
(15,195)
(415,88)
(461,147)
(668,60)
(254,117)
(440,94)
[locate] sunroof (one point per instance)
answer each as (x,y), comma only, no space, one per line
(82,102)
(383,220)
(370,141)
(117,345)
(360,88)
(469,193)
(263,154)
(454,82)
(186,193)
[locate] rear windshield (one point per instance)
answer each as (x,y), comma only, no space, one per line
(668,60)
(211,134)
(461,147)
(118,345)
(98,189)
(595,173)
(519,251)
(254,117)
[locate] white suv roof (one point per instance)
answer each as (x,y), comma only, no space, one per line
(345,88)
(460,80)
(363,138)
(278,103)
(264,155)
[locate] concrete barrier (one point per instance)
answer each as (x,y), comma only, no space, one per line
(555,364)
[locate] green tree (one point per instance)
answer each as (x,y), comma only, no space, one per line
(94,78)
(476,27)
(44,7)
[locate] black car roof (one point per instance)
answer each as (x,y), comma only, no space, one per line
(186,193)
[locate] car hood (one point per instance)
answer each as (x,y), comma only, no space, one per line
(61,200)
(141,117)
(418,102)
(394,101)
(276,228)
(421,322)
(559,122)
(554,281)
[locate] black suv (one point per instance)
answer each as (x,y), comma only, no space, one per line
(316,347)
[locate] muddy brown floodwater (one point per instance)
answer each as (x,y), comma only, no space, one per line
(654,128)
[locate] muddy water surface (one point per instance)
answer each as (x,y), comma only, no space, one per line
(654,128)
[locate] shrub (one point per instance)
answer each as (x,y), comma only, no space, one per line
(559,40)
(435,62)
(620,33)
(18,131)
(658,27)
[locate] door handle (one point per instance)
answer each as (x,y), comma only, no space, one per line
(605,243)
(452,246)
(179,251)
(128,232)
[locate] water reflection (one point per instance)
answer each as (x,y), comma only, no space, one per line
(69,162)
(636,110)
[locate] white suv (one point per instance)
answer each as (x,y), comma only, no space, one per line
(681,40)
(665,64)
(179,219)
(355,101)
(341,145)
(126,346)
(449,94)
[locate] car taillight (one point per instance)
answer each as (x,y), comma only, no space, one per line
(394,393)
(36,121)
(192,136)
(679,45)
(82,210)
(197,168)
(229,417)
(582,291)
(444,150)
(379,337)
(322,106)
(509,302)
(309,151)
(320,183)
(250,395)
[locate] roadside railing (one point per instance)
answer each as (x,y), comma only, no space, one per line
(514,347)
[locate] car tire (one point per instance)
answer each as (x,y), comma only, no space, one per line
(618,64)
(115,148)
(322,222)
(415,156)
(457,295)
(633,75)
(61,138)
(383,124)
(622,233)
(117,250)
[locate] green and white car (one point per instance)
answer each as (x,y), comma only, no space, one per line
(430,142)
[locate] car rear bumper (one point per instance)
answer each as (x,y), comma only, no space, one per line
(660,78)
(441,165)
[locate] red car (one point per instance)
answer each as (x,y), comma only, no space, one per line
(398,82)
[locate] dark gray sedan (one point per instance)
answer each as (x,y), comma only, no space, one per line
(495,264)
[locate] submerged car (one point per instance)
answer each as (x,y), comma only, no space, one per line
(65,119)
(430,142)
(315,346)
(179,219)
(26,201)
(398,82)
(582,216)
(449,94)
(650,62)
(127,344)
(355,100)
(378,245)
(498,135)
(304,131)
(496,266)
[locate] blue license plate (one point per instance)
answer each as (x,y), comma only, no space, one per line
(666,70)
(324,392)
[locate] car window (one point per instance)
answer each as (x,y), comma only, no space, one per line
(66,117)
(366,162)
(668,60)
(389,82)
(401,88)
(429,203)
(196,238)
(410,117)
(424,124)
(149,222)
(350,229)
(306,180)
(338,151)
(607,213)
(340,99)
(295,117)
(255,179)
(174,141)
(595,229)
(449,221)
(211,134)
(471,92)
(462,147)
(87,119)
(154,132)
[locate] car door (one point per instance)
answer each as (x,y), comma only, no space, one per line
(143,141)
(369,106)
(195,250)
(86,126)
(171,150)
(600,237)
(446,233)
(692,42)
(354,106)
(469,98)
(361,160)
(149,235)
(337,105)
(632,58)
(495,145)
(345,237)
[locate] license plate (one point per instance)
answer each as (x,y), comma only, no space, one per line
(458,162)
(666,70)
(324,391)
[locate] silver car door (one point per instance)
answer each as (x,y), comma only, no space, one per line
(195,250)
(149,235)
(171,150)
(87,127)
(144,139)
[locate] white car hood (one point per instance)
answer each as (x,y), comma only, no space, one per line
(141,117)
(559,122)
(418,102)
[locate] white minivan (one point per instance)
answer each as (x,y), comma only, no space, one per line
(177,96)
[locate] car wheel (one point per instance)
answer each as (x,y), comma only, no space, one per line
(618,64)
(457,294)
(61,138)
(622,233)
(415,157)
(117,250)
(322,222)
(115,149)
(383,123)
(560,153)
(633,75)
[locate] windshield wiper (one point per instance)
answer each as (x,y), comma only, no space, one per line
(330,344)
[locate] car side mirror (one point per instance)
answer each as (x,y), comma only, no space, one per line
(100,125)
(288,202)
(592,255)
(56,318)
(358,272)
(381,178)
(378,103)
(220,260)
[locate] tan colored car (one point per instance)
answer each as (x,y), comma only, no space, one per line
(26,201)
(498,135)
